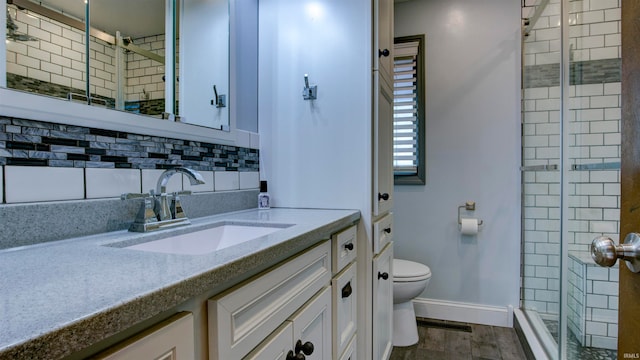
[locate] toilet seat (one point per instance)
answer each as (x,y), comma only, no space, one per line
(407,271)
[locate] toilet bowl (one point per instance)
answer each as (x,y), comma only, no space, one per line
(409,280)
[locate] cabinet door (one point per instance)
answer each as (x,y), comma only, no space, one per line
(312,324)
(172,339)
(350,352)
(384,33)
(345,309)
(383,147)
(276,346)
(383,304)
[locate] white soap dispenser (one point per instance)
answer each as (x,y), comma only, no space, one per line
(264,200)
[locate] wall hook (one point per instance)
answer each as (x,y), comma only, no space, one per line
(219,101)
(309,92)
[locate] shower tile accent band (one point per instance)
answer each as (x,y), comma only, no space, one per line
(582,73)
(35,143)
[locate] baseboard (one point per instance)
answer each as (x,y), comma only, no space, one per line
(464,312)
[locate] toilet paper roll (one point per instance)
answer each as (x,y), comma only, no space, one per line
(469,226)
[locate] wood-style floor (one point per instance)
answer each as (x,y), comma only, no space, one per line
(441,340)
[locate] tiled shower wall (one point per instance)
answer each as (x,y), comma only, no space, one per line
(592,302)
(594,128)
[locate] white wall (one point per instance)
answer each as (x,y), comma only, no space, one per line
(473,150)
(316,153)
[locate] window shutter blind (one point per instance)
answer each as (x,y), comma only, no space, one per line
(405,108)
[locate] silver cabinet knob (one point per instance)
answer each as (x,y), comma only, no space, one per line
(605,252)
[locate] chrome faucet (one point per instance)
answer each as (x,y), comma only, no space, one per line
(156,212)
(163,210)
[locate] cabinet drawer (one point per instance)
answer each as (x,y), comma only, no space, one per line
(382,232)
(241,317)
(345,304)
(343,248)
(172,339)
(276,346)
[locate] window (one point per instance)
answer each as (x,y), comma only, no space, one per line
(408,111)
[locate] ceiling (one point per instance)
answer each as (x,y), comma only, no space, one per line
(132,18)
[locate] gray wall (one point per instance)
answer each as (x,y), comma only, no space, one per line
(473,150)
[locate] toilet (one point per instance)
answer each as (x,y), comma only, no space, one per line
(409,280)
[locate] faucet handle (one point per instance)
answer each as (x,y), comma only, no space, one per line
(127,196)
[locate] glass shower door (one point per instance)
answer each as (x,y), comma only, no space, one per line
(541,175)
(571,178)
(593,153)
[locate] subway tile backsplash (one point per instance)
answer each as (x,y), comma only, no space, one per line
(227,181)
(249,180)
(30,184)
(103,183)
(36,143)
(207,186)
(45,161)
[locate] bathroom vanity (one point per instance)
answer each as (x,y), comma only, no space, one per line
(97,296)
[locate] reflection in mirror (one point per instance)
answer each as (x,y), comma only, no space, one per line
(204,63)
(45,49)
(129,69)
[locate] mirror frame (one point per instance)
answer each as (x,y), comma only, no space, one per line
(18,104)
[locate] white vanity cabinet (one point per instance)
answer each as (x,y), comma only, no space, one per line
(344,292)
(383,287)
(241,318)
(172,339)
(306,305)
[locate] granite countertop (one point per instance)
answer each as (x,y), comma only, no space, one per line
(60,297)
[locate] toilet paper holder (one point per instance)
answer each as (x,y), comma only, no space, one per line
(469,206)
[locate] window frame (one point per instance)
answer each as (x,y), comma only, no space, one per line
(419,176)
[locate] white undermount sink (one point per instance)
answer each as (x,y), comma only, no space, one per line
(209,240)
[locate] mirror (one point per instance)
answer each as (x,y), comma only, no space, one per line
(46,54)
(204,63)
(130,70)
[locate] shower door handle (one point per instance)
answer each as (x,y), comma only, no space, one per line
(605,252)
